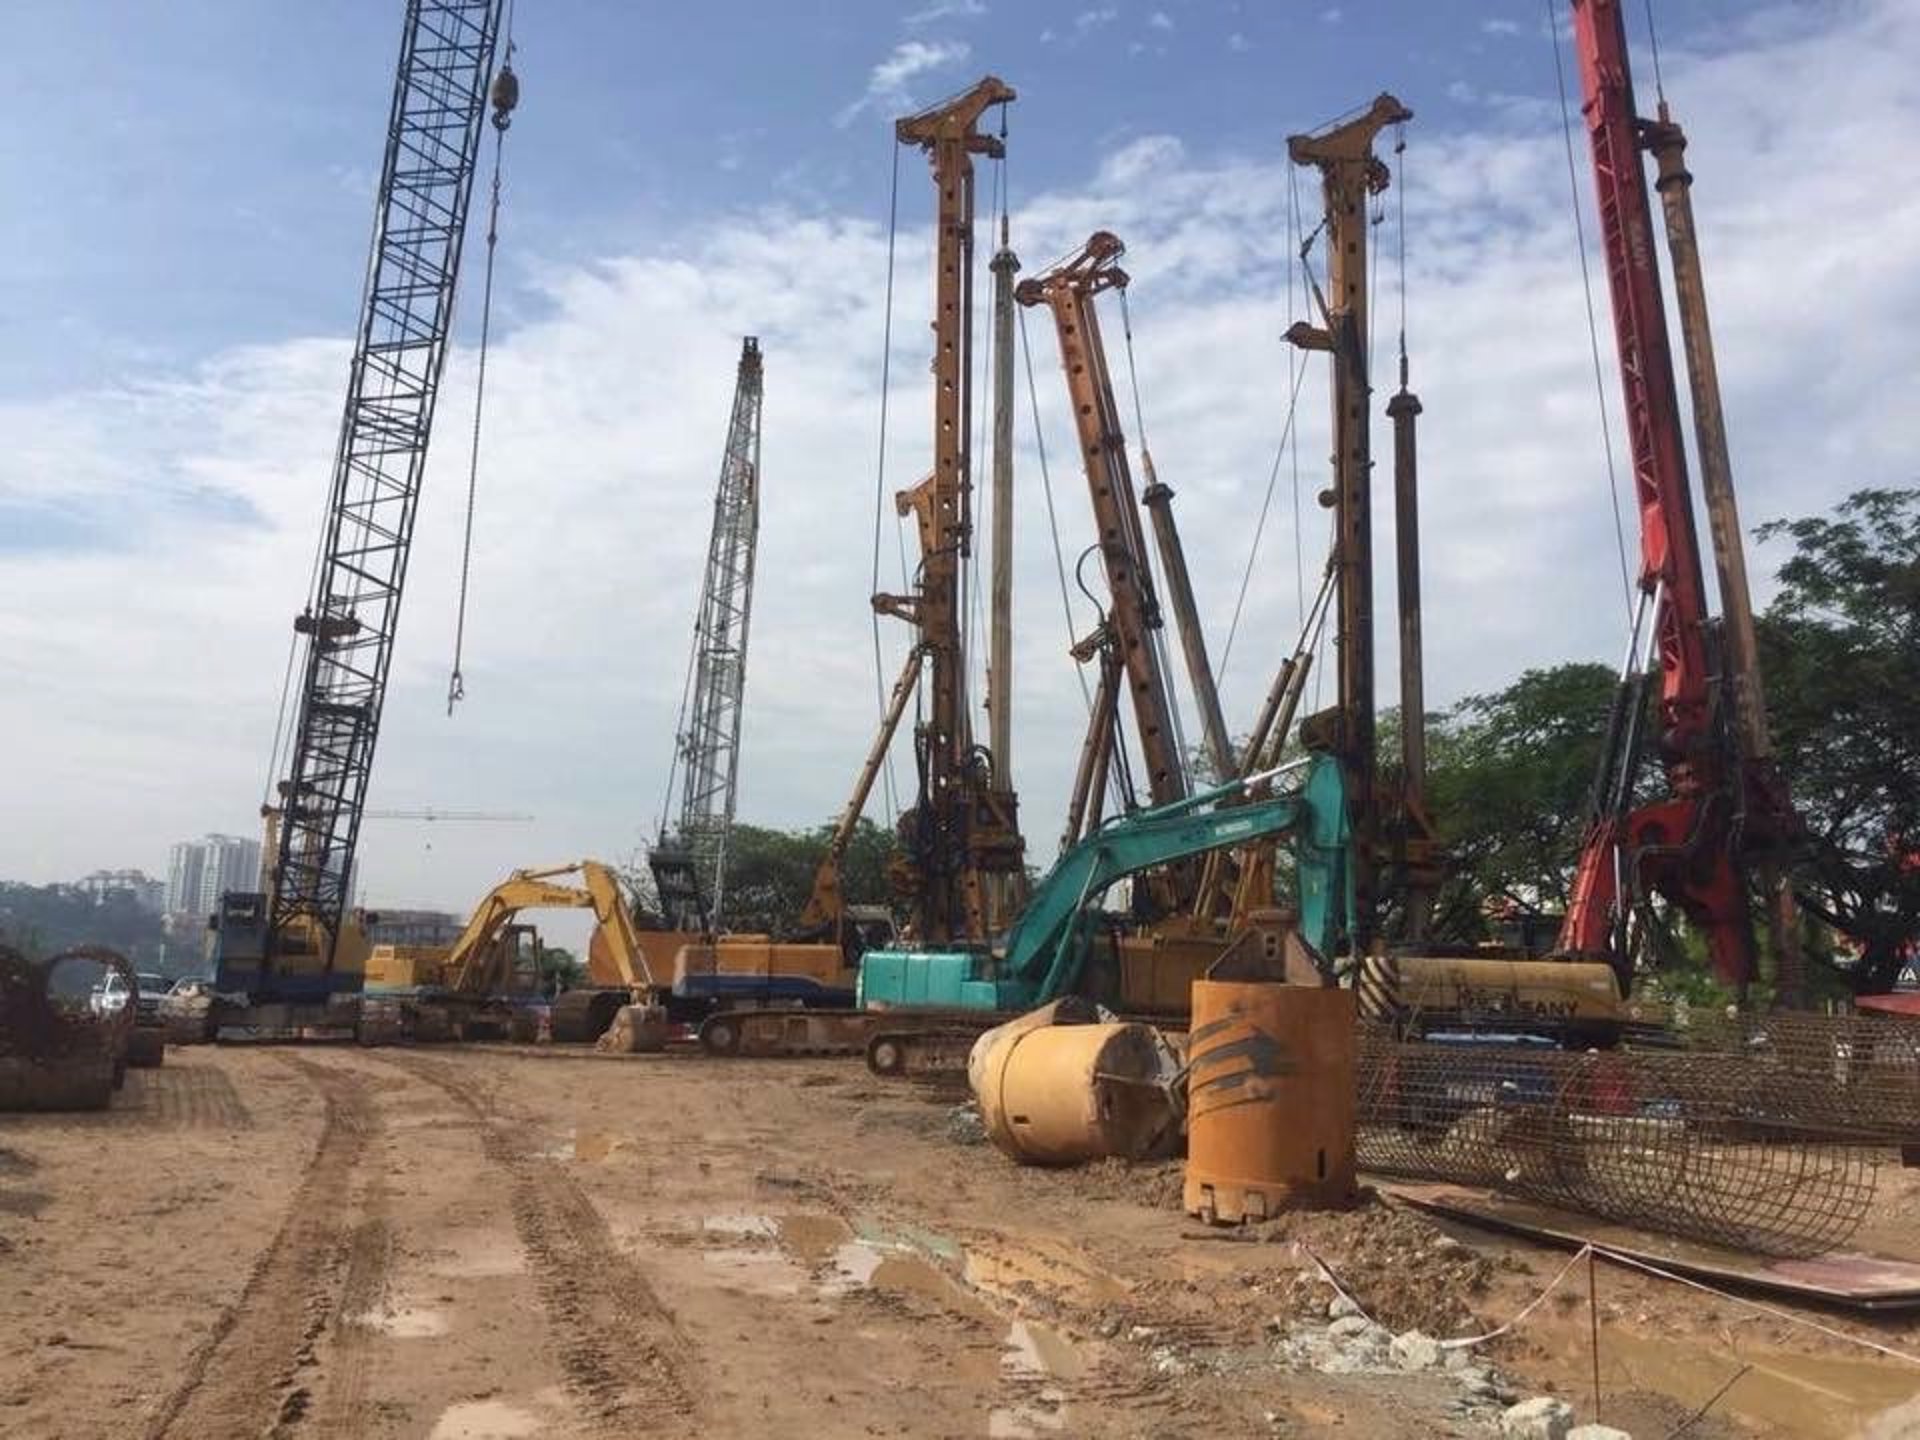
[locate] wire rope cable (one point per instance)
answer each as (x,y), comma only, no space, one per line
(502,119)
(1053,517)
(889,795)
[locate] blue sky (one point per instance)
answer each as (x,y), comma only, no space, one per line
(190,196)
(199,173)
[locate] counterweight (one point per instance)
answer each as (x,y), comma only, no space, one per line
(709,739)
(433,136)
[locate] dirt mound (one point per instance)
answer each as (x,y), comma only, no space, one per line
(1403,1269)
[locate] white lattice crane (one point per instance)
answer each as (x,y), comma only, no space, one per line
(689,860)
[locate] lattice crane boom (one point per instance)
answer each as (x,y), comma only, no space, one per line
(690,863)
(440,101)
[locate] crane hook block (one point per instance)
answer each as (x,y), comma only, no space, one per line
(505,95)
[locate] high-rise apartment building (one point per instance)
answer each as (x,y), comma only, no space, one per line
(200,871)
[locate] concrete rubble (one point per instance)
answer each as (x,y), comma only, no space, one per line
(1541,1418)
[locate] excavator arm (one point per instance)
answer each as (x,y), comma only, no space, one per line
(467,968)
(1047,942)
(1047,945)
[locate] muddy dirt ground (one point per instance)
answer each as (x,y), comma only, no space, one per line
(490,1243)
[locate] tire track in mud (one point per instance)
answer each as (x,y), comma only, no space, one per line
(255,1371)
(620,1348)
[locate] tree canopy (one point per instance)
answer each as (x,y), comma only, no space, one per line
(770,874)
(1840,652)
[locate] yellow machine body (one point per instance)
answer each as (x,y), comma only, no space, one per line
(1429,992)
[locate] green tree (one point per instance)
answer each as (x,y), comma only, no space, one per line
(770,875)
(560,969)
(1840,650)
(1509,776)
(45,919)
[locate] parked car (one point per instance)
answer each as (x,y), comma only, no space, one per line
(111,993)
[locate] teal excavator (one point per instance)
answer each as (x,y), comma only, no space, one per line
(1045,952)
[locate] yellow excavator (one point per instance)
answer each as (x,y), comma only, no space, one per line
(485,983)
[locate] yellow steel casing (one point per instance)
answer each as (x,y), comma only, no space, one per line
(1063,1094)
(1270,1103)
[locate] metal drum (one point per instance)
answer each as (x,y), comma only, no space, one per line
(1269,1100)
(1063,1094)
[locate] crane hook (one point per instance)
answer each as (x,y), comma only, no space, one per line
(504,96)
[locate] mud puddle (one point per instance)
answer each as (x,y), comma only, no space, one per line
(1822,1397)
(590,1146)
(484,1420)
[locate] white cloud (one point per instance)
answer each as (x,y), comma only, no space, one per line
(1160,20)
(1239,43)
(1500,27)
(141,680)
(1332,15)
(1088,20)
(946,10)
(887,81)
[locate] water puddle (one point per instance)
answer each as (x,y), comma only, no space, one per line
(484,1420)
(908,1261)
(597,1144)
(1034,1351)
(812,1237)
(588,1145)
(406,1322)
(1012,1271)
(1824,1397)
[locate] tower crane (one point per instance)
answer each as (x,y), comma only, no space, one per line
(1726,808)
(288,950)
(689,863)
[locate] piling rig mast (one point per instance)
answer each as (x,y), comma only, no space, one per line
(1726,806)
(285,947)
(1350,175)
(689,862)
(963,824)
(1125,640)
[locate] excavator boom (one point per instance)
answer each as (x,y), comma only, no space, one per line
(1047,946)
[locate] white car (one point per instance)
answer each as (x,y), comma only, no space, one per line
(110,996)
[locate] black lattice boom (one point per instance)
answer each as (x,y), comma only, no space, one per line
(433,137)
